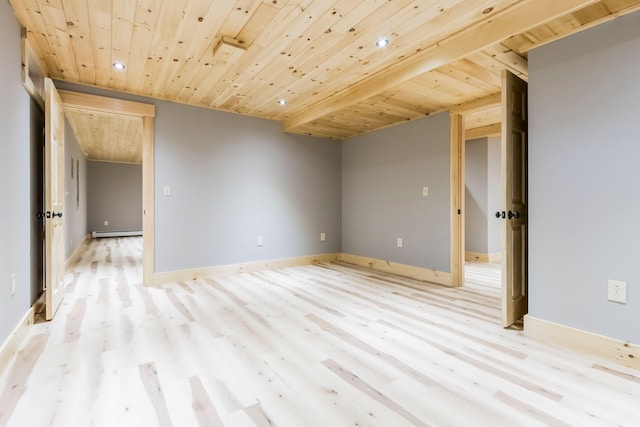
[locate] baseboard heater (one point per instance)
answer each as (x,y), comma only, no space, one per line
(97,234)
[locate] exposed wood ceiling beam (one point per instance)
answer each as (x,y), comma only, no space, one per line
(474,106)
(484,131)
(115,106)
(520,17)
(616,8)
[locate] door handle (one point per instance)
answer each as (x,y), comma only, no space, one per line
(500,214)
(515,215)
(48,214)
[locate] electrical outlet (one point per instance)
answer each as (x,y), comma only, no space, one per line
(323,237)
(260,241)
(399,242)
(13,284)
(617,291)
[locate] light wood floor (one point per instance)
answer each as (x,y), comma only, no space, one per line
(327,345)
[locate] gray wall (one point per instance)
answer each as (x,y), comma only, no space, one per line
(382,178)
(476,195)
(584,177)
(483,195)
(494,194)
(234,178)
(115,195)
(75,188)
(14,174)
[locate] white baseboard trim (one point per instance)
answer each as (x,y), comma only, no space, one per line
(96,234)
(607,348)
(77,252)
(418,273)
(14,340)
(247,267)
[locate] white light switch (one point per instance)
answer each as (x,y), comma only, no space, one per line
(425,191)
(260,241)
(399,242)
(323,237)
(167,190)
(106,223)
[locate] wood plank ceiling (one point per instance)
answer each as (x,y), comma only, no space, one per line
(107,137)
(319,55)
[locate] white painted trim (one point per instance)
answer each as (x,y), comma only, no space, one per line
(95,234)
(247,267)
(607,348)
(77,252)
(15,339)
(418,273)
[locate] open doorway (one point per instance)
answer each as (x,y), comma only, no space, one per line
(36,231)
(483,196)
(477,120)
(139,118)
(44,93)
(511,105)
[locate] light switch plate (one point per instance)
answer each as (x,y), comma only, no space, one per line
(425,191)
(167,190)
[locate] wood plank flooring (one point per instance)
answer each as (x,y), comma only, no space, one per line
(322,345)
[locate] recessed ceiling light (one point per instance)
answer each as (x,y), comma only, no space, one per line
(119,66)
(282,102)
(382,42)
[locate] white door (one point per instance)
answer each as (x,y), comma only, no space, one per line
(514,176)
(54,199)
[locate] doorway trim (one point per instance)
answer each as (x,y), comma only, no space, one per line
(458,138)
(146,112)
(457,199)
